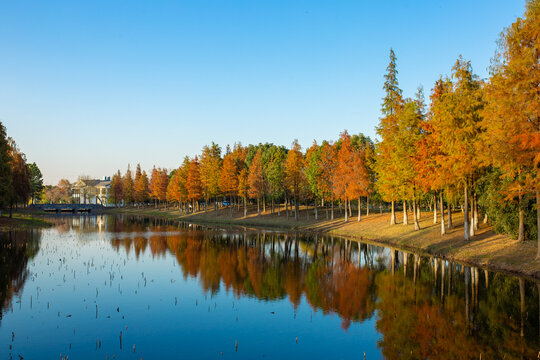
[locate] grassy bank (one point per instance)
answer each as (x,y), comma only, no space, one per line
(22,221)
(487,249)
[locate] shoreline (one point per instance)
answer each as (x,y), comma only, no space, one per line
(23,221)
(496,252)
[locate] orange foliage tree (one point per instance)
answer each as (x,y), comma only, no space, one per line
(511,125)
(140,187)
(387,160)
(294,173)
(228,180)
(193,184)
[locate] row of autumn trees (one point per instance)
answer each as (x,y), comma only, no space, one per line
(20,181)
(264,174)
(479,142)
(474,146)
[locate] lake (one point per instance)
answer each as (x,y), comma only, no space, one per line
(124,287)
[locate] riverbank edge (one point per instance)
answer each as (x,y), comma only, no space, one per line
(23,221)
(359,236)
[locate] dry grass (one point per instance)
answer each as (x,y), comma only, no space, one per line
(487,248)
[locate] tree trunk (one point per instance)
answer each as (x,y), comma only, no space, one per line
(449,224)
(348,202)
(538,227)
(393,214)
(296,208)
(287,207)
(279,208)
(471,224)
(316,212)
(245,206)
(264,204)
(231,204)
(258,206)
(332,215)
(466,229)
(272,206)
(443,229)
(521,225)
(205,201)
(405,218)
(415,216)
(435,209)
(359,210)
(475,214)
(418,211)
(367,205)
(346,212)
(326,210)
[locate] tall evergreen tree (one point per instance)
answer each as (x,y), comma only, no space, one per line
(387,160)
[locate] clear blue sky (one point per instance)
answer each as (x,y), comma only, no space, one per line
(87,87)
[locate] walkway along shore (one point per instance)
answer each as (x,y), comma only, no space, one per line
(487,249)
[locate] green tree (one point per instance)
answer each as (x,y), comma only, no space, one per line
(275,175)
(36,182)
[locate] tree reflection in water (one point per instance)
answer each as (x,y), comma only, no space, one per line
(422,307)
(431,308)
(16,248)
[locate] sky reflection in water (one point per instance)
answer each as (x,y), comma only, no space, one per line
(133,288)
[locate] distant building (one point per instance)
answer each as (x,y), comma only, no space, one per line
(91,191)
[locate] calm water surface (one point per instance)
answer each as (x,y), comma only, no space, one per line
(98,287)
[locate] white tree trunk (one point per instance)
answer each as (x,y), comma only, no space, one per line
(466,235)
(443,229)
(435,209)
(415,216)
(405,218)
(393,214)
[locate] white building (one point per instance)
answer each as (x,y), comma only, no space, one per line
(91,191)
